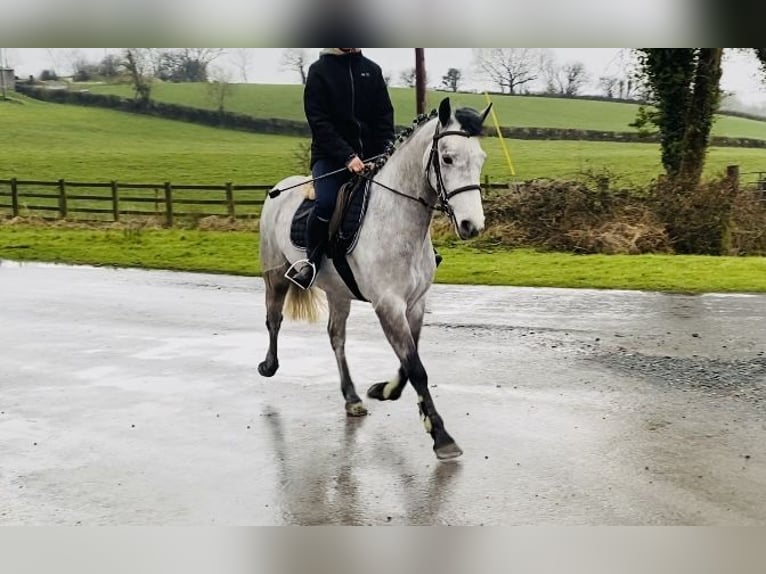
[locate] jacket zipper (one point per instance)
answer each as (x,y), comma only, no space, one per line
(353,114)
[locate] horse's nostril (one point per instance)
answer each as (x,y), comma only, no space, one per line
(468,229)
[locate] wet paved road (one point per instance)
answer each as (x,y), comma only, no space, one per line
(132,397)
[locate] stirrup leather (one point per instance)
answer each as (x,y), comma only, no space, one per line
(294,270)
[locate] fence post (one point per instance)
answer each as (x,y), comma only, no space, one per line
(115,202)
(229,199)
(62,199)
(732,174)
(486,183)
(14,197)
(168,204)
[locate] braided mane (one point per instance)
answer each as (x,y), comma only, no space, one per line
(470,120)
(401,138)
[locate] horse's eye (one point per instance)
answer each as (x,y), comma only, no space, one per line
(447,159)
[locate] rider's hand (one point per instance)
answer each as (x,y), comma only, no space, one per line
(356,165)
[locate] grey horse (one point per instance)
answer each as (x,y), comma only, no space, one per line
(437,166)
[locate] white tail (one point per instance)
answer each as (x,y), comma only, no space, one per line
(304,304)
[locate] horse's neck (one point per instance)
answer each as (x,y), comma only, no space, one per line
(404,173)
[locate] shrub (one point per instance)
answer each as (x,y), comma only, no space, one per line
(697,220)
(584,217)
(747,229)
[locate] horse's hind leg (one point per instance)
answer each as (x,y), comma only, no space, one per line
(336,329)
(391,389)
(276,291)
(393,318)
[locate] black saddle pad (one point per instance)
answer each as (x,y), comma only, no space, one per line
(344,240)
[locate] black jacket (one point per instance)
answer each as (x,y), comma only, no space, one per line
(348,108)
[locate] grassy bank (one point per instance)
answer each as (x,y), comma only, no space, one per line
(237,253)
(286,101)
(52,141)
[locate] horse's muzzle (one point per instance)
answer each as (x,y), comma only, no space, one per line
(467,230)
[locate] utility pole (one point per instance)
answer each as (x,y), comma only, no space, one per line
(420,81)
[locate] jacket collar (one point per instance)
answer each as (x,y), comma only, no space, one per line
(338,52)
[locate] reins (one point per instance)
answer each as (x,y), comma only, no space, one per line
(278,190)
(442,195)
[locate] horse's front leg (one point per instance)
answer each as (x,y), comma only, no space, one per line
(336,329)
(391,389)
(393,318)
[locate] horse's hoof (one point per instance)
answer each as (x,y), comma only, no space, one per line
(267,369)
(356,409)
(378,392)
(449,451)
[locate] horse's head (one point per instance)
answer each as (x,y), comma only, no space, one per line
(453,167)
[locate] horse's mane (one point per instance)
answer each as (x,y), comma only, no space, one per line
(470,120)
(401,138)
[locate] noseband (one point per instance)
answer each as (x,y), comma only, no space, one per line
(434,162)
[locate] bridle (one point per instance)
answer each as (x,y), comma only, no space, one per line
(434,162)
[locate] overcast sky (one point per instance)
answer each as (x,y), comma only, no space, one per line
(740,71)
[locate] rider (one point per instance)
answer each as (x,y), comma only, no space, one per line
(351,117)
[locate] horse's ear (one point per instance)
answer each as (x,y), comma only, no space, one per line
(485,112)
(445,112)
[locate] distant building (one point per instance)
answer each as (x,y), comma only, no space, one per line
(7,79)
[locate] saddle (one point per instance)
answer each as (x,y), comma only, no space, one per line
(346,221)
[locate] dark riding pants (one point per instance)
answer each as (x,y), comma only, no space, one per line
(327,188)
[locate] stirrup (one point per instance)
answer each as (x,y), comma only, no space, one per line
(293,270)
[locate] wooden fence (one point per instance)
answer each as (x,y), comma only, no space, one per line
(110,201)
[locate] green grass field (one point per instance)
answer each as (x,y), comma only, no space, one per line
(286,101)
(51,141)
(237,253)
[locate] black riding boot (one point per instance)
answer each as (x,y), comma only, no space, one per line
(316,238)
(437,257)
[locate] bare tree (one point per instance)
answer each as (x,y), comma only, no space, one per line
(573,77)
(408,78)
(296,59)
(242,58)
(138,62)
(5,63)
(56,60)
(186,64)
(7,57)
(550,73)
(75,60)
(509,68)
(451,80)
(609,84)
(219,88)
(301,157)
(620,79)
(204,55)
(109,67)
(760,54)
